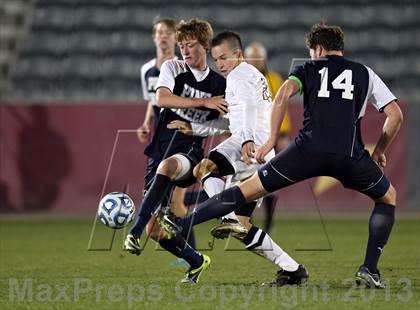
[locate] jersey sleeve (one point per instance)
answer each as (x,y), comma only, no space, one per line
(378,93)
(166,76)
(298,75)
(246,98)
(143,83)
(214,127)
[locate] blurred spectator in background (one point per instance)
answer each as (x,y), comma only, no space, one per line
(256,55)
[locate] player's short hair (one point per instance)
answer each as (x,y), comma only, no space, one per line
(169,22)
(231,37)
(329,37)
(194,28)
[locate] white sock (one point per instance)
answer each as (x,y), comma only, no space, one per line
(261,243)
(231,216)
(213,186)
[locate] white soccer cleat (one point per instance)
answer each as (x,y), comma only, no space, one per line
(229,227)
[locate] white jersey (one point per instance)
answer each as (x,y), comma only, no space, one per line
(249,107)
(249,104)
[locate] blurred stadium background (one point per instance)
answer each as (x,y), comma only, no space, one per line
(70,79)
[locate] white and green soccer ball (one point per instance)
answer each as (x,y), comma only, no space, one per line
(116,210)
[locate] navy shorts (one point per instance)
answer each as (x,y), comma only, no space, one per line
(296,164)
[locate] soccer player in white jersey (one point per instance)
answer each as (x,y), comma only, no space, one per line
(249,104)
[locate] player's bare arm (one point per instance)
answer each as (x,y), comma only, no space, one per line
(394,119)
(165,99)
(143,132)
(288,89)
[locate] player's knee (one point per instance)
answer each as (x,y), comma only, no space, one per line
(390,196)
(168,167)
(203,168)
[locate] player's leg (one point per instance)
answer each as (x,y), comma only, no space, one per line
(178,246)
(179,209)
(380,226)
(210,175)
(269,205)
(167,172)
(207,173)
(365,176)
(286,168)
(259,242)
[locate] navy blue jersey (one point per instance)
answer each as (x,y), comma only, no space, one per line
(335,95)
(149,75)
(182,81)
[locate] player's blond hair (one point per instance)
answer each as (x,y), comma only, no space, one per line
(195,28)
(169,22)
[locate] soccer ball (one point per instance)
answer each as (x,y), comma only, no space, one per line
(116,210)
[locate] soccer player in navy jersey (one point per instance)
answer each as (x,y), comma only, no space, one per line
(190,91)
(163,35)
(336,92)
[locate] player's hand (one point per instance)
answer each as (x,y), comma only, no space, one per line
(379,158)
(143,133)
(183,127)
(248,150)
(263,151)
(216,103)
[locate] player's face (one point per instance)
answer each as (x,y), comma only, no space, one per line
(225,57)
(164,37)
(193,53)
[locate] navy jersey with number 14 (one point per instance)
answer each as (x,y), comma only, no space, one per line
(336,92)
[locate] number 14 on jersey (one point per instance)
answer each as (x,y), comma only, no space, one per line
(342,81)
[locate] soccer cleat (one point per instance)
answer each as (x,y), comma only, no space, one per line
(283,277)
(167,220)
(369,279)
(193,275)
(132,244)
(229,227)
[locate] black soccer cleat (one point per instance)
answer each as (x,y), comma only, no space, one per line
(283,277)
(132,244)
(368,279)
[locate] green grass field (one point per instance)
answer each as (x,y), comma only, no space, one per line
(45,264)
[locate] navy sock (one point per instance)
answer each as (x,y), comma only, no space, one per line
(190,237)
(269,202)
(154,197)
(380,226)
(180,248)
(217,206)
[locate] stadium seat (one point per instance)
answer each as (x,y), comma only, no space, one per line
(104,42)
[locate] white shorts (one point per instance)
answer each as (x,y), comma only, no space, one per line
(231,149)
